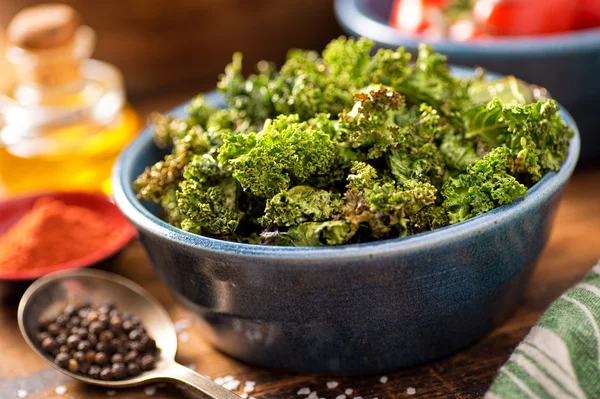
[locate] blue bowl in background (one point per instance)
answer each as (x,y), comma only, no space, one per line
(567,64)
(351,309)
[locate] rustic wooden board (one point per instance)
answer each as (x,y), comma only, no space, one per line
(573,248)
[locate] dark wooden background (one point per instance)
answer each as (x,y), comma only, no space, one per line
(164,45)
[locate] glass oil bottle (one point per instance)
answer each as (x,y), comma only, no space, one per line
(63,119)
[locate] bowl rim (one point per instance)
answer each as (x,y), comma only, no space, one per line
(143,219)
(354,18)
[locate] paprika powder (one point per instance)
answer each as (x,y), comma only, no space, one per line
(53,233)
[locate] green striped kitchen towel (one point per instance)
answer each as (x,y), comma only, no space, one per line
(560,357)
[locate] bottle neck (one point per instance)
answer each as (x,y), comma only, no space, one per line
(44,77)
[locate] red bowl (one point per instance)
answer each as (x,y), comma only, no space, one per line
(13,209)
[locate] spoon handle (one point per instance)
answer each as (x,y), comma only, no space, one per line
(179,373)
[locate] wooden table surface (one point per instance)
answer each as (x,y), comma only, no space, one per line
(573,249)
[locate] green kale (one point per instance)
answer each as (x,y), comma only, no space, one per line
(350,60)
(535,133)
(371,124)
(199,111)
(207,198)
(285,151)
(347,147)
(381,204)
(249,97)
(431,82)
(485,185)
(509,90)
(390,67)
(310,234)
(300,204)
(167,128)
(415,155)
(156,180)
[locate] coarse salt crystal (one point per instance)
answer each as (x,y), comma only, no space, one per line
(303,391)
(332,384)
(244,395)
(184,337)
(349,391)
(411,391)
(220,380)
(150,391)
(228,378)
(358,397)
(250,383)
(383,379)
(248,388)
(231,385)
(313,395)
(111,392)
(21,393)
(340,397)
(251,397)
(181,324)
(60,390)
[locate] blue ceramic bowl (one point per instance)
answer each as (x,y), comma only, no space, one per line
(351,309)
(567,64)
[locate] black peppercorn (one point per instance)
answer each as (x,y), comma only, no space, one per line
(136,334)
(101,358)
(73,341)
(147,362)
(54,329)
(79,356)
(61,339)
(49,344)
(94,371)
(131,356)
(84,368)
(133,369)
(84,346)
(89,356)
(102,347)
(73,366)
(62,360)
(119,370)
(100,342)
(92,316)
(106,374)
(116,358)
(106,336)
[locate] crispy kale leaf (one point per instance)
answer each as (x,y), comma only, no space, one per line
(384,206)
(249,97)
(485,185)
(310,234)
(430,81)
(415,155)
(509,90)
(372,122)
(535,133)
(300,204)
(286,151)
(207,198)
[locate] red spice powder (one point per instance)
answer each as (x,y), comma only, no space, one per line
(52,233)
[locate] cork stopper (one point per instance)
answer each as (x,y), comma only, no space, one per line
(44,26)
(47,43)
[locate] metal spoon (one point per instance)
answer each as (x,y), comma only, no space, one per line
(48,296)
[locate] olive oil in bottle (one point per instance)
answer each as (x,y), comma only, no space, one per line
(64,118)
